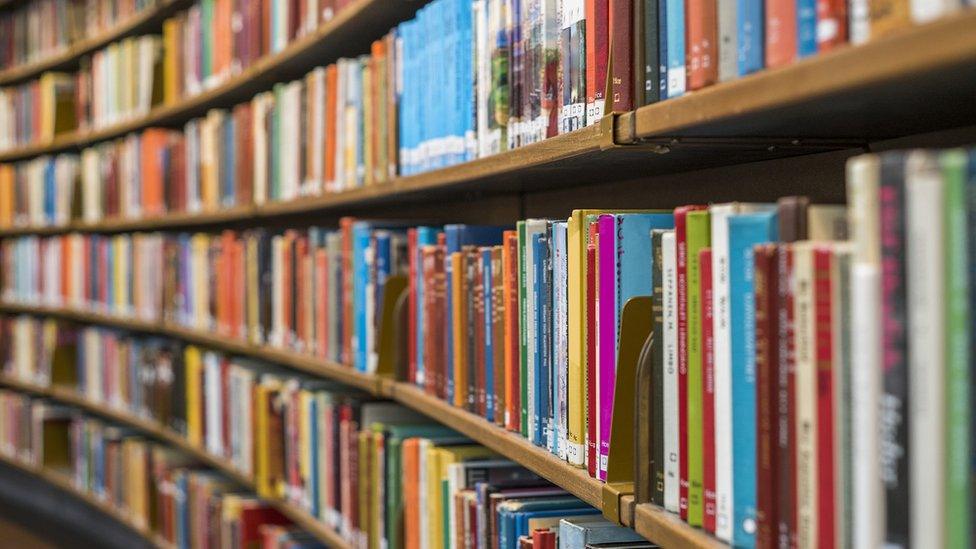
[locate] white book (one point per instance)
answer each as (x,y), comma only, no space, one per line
(842,405)
(259,165)
(560,335)
(925,11)
(728,69)
(669,286)
(213,403)
(867,504)
(925,265)
(805,395)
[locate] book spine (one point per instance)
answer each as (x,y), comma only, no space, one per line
(698,235)
(728,35)
(592,297)
(621,30)
(675,13)
(751,38)
(574,58)
(893,422)
(607,337)
(831,24)
(785,401)
(825,372)
(926,298)
(670,418)
(806,28)
(657,372)
(708,389)
(702,45)
(597,57)
(681,247)
(805,395)
(767,363)
(512,354)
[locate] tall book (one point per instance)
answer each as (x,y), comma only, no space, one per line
(698,234)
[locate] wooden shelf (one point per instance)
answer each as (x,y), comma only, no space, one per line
(661,527)
(68,396)
(145,21)
(834,101)
(350,32)
(65,484)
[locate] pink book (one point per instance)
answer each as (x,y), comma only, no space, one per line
(606,310)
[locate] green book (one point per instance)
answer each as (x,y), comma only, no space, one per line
(957,504)
(206,42)
(698,231)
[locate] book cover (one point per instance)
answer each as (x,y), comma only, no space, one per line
(698,235)
(621,29)
(676,52)
(702,46)
(745,231)
(672,448)
(597,14)
(658,452)
(708,388)
(767,376)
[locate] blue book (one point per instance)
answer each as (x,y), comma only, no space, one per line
(382,256)
(361,232)
(662,46)
(508,513)
(745,232)
(751,36)
(489,335)
(806,28)
(675,13)
(559,342)
(543,318)
(229,169)
(426,236)
(50,191)
(457,236)
(313,426)
(522,518)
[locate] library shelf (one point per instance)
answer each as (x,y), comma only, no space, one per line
(147,20)
(657,526)
(63,482)
(789,111)
(152,428)
(349,32)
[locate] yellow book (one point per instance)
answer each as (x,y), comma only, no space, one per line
(365,439)
(170,32)
(457,318)
(200,244)
(6,195)
(193,365)
(438,461)
(262,480)
(577,234)
(305,443)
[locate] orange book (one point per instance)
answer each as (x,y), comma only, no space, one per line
(392,144)
(6,195)
(321,302)
(238,267)
(331,81)
(410,454)
(780,32)
(152,142)
(288,288)
(459,316)
(301,290)
(511,357)
(702,28)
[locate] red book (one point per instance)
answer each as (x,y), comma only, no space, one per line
(831,24)
(681,242)
(253,515)
(301,290)
(708,387)
(413,268)
(591,363)
(622,67)
(823,313)
(702,43)
(513,418)
(788,517)
(322,302)
(780,32)
(597,57)
(767,393)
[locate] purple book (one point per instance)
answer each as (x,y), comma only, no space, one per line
(606,312)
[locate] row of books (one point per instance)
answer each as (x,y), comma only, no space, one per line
(523,327)
(380,474)
(155,487)
(38,30)
(199,49)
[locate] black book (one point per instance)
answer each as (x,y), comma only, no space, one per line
(647,59)
(895,449)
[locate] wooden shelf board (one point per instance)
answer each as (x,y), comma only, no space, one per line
(65,484)
(917,80)
(350,32)
(150,427)
(666,530)
(145,21)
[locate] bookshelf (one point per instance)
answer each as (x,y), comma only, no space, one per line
(821,104)
(60,481)
(146,20)
(653,523)
(67,396)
